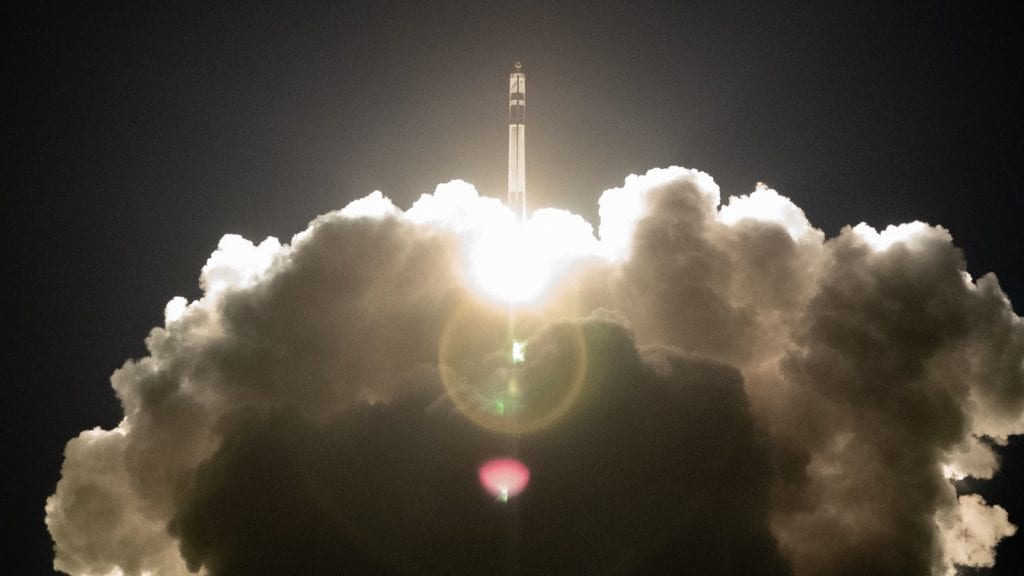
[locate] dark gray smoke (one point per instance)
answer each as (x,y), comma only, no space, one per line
(707,389)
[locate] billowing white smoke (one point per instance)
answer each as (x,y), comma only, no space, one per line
(757,398)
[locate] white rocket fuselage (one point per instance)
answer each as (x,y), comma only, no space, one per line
(517,141)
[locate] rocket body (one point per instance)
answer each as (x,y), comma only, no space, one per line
(517,141)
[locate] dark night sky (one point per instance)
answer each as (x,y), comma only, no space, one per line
(138,135)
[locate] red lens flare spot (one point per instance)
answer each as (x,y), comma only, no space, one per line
(504,478)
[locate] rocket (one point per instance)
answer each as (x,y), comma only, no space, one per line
(517,141)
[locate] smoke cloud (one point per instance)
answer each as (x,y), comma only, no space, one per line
(707,388)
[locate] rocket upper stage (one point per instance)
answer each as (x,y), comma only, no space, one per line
(517,141)
(517,96)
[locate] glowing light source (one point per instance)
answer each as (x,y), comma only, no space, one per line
(515,262)
(504,478)
(518,352)
(505,265)
(509,260)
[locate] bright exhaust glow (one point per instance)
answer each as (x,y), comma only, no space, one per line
(515,262)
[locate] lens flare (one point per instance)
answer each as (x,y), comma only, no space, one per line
(494,381)
(504,478)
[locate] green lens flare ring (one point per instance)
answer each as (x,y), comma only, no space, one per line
(484,369)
